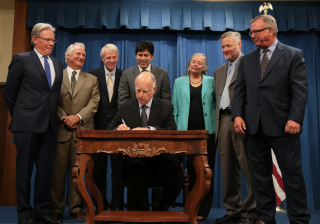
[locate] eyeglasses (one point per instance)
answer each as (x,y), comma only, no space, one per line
(257,31)
(48,40)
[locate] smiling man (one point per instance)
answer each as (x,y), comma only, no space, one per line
(144,56)
(109,78)
(269,103)
(232,148)
(78,102)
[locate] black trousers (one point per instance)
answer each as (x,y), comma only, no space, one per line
(287,149)
(34,148)
(206,204)
(169,172)
(100,173)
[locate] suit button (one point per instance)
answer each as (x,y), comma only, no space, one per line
(220,94)
(72,107)
(205,114)
(204,103)
(108,115)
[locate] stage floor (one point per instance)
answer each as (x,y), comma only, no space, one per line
(8,215)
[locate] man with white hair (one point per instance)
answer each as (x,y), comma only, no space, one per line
(78,102)
(232,147)
(109,77)
(31,94)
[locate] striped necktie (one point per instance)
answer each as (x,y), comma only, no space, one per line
(73,81)
(110,86)
(264,64)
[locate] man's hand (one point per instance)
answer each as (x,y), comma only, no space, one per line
(71,120)
(122,127)
(138,128)
(239,125)
(292,127)
(76,126)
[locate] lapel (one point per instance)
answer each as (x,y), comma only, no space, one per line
(135,113)
(103,81)
(136,71)
(153,112)
(186,87)
(234,77)
(256,63)
(39,66)
(66,81)
(116,84)
(277,54)
(81,80)
(205,85)
(222,78)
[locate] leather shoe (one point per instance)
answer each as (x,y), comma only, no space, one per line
(260,222)
(228,219)
(246,221)
(55,215)
(48,220)
(78,215)
(27,221)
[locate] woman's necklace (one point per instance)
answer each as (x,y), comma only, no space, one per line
(195,82)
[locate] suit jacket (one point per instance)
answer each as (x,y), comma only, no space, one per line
(32,104)
(127,90)
(106,110)
(220,78)
(160,117)
(84,102)
(181,102)
(280,96)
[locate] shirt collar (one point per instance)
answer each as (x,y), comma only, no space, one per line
(70,70)
(235,61)
(38,53)
(148,68)
(148,104)
(106,71)
(271,48)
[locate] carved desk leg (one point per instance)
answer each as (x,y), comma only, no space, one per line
(201,187)
(78,172)
(91,185)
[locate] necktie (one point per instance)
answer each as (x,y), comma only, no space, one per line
(47,70)
(144,119)
(110,86)
(225,99)
(264,63)
(73,81)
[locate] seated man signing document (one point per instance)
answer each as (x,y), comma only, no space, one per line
(148,113)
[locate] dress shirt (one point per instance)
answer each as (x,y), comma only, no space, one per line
(53,73)
(113,76)
(147,110)
(147,69)
(271,49)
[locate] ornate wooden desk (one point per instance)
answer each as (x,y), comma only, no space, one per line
(141,144)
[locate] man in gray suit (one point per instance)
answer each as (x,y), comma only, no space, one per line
(232,147)
(144,55)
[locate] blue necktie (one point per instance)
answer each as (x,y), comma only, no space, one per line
(47,70)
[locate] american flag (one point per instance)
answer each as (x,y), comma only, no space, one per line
(277,180)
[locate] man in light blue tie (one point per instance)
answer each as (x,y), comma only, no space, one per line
(232,147)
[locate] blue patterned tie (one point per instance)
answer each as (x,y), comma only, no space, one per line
(47,70)
(264,63)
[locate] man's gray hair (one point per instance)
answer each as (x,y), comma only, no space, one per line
(235,35)
(269,21)
(110,47)
(38,28)
(205,71)
(151,76)
(70,49)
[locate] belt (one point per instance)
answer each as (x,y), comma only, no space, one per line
(225,112)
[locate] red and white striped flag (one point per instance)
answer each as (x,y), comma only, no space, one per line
(277,180)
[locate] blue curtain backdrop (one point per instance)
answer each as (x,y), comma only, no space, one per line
(179,29)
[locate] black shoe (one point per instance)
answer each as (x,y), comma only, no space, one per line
(27,221)
(228,219)
(48,220)
(246,221)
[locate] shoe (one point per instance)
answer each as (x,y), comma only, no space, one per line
(78,215)
(228,219)
(260,222)
(48,220)
(55,215)
(201,218)
(27,221)
(246,221)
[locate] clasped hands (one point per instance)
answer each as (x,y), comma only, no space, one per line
(123,127)
(292,127)
(71,121)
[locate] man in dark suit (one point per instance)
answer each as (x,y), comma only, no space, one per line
(269,101)
(149,113)
(31,94)
(109,77)
(144,55)
(232,147)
